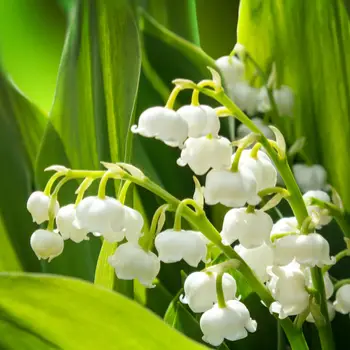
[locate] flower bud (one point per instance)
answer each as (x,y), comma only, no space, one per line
(46,244)
(200,290)
(311,177)
(342,299)
(246,97)
(283,97)
(130,261)
(231,322)
(38,205)
(263,170)
(65,221)
(233,189)
(258,259)
(251,229)
(164,124)
(231,68)
(311,250)
(319,216)
(287,286)
(100,215)
(204,153)
(243,130)
(173,246)
(201,120)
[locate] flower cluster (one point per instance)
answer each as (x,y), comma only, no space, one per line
(282,256)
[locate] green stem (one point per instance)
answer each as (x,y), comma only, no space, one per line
(51,181)
(272,190)
(341,283)
(172,97)
(124,191)
(235,163)
(195,98)
(344,253)
(255,150)
(219,291)
(82,189)
(102,187)
(250,209)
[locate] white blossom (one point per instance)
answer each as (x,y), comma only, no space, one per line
(46,244)
(164,124)
(130,261)
(258,259)
(66,224)
(342,299)
(310,177)
(331,313)
(201,120)
(263,170)
(287,286)
(232,322)
(285,225)
(244,96)
(320,217)
(200,290)
(251,229)
(311,250)
(243,130)
(173,246)
(204,153)
(231,68)
(233,189)
(38,205)
(283,97)
(101,215)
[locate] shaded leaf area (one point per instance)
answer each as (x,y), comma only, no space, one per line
(92,110)
(22,126)
(83,317)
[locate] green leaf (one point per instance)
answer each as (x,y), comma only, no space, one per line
(22,126)
(93,108)
(81,316)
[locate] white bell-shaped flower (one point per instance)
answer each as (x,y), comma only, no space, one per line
(328,285)
(100,215)
(244,96)
(283,97)
(251,229)
(319,216)
(331,313)
(263,170)
(342,299)
(287,286)
(310,177)
(173,246)
(130,261)
(38,206)
(46,244)
(200,290)
(285,225)
(163,124)
(204,153)
(243,130)
(66,224)
(231,68)
(232,322)
(202,120)
(258,259)
(310,250)
(233,189)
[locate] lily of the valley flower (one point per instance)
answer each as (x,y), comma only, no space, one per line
(251,229)
(233,189)
(287,286)
(163,124)
(232,322)
(258,259)
(38,206)
(204,153)
(200,290)
(100,215)
(201,120)
(285,225)
(232,69)
(310,250)
(342,299)
(130,261)
(283,97)
(66,220)
(173,246)
(319,216)
(245,96)
(46,244)
(311,177)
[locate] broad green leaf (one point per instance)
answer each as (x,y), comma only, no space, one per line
(93,107)
(41,312)
(22,126)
